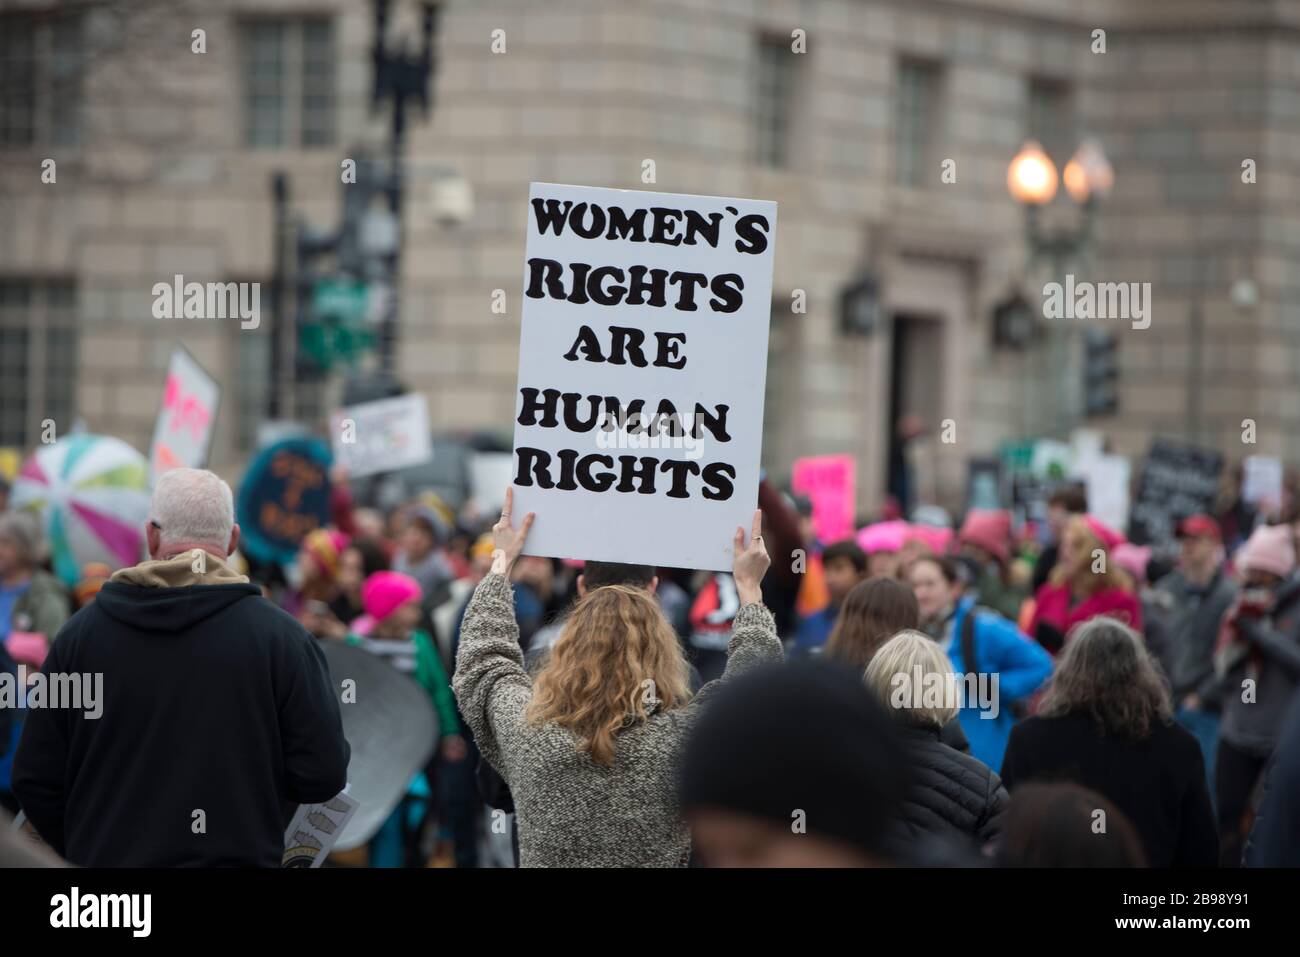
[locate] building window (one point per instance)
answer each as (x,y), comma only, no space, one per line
(288,76)
(916,113)
(774,92)
(38,358)
(1050,118)
(42,63)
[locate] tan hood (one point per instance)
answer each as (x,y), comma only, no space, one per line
(195,567)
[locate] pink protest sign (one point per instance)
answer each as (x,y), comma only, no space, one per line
(831,481)
(183,430)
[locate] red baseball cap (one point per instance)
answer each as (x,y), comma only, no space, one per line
(1200,524)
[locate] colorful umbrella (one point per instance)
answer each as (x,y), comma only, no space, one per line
(92,493)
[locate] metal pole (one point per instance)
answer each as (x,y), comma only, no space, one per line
(279,289)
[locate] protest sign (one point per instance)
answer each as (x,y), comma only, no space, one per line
(489,474)
(1106,480)
(182,433)
(1261,482)
(642,359)
(830,481)
(284,495)
(1177,480)
(382,436)
(984,484)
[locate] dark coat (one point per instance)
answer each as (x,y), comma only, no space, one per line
(213,699)
(1159,783)
(952,795)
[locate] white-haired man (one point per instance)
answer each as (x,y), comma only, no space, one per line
(218,714)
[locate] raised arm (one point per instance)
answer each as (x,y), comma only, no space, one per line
(753,631)
(491,685)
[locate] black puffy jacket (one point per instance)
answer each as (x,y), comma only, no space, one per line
(952,795)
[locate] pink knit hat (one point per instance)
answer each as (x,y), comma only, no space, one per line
(883,536)
(385,592)
(935,537)
(1133,559)
(989,529)
(1103,532)
(1270,548)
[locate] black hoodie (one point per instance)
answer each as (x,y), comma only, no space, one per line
(217,715)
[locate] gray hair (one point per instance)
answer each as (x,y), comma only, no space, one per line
(192,507)
(24,531)
(1107,673)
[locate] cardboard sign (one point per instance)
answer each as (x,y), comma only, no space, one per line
(1177,480)
(831,482)
(284,495)
(182,434)
(382,436)
(642,359)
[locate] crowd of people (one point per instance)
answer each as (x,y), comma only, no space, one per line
(916,693)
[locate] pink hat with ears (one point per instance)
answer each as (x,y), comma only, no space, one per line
(385,592)
(883,536)
(1270,548)
(935,537)
(1108,537)
(1133,559)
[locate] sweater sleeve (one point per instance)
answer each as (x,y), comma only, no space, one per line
(491,685)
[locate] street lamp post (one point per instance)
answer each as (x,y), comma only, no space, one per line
(401,77)
(1032,181)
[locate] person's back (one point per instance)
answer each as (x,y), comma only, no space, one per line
(215,715)
(1107,724)
(591,747)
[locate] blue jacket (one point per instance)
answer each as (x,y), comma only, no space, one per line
(1021,665)
(815,629)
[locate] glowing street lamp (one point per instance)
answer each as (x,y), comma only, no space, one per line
(1088,173)
(1031,177)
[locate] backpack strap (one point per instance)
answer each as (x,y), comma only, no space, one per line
(968,641)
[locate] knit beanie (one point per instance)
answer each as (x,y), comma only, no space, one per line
(385,592)
(1270,548)
(800,736)
(989,529)
(325,546)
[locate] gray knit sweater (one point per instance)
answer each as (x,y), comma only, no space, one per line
(572,812)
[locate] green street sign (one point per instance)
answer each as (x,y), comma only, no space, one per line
(340,301)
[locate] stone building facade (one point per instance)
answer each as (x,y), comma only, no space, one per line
(164,159)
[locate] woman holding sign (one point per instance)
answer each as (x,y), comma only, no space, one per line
(590,749)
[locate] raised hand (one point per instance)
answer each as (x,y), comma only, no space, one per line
(749,564)
(507,543)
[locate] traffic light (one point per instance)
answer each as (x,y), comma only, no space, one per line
(1100,372)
